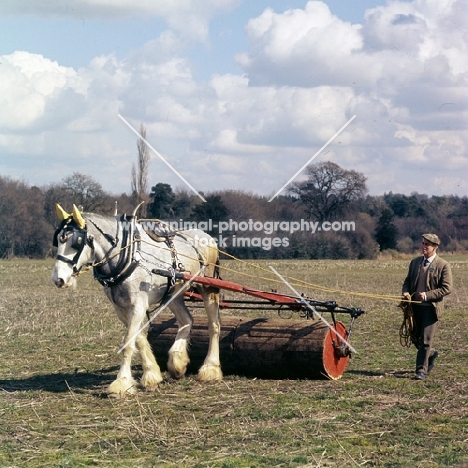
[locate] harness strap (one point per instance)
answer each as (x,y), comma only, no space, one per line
(126,264)
(65,260)
(201,260)
(162,234)
(172,273)
(177,267)
(170,287)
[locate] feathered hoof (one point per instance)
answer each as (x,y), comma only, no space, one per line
(121,388)
(210,373)
(177,364)
(151,380)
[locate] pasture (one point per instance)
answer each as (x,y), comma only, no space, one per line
(58,353)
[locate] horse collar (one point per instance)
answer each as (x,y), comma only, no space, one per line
(127,262)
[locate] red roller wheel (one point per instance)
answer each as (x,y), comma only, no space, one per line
(334,364)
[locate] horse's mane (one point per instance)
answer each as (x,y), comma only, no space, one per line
(88,214)
(103,223)
(99,217)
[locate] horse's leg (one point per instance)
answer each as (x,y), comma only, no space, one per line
(211,368)
(178,356)
(151,372)
(124,383)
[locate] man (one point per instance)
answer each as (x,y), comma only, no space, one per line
(428,281)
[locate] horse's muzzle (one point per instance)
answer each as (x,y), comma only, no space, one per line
(59,282)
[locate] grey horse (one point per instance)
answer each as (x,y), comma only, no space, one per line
(128,263)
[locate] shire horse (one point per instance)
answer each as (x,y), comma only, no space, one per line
(137,272)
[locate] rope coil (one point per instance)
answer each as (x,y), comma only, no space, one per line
(407,329)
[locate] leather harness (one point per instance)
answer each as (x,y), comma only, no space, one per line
(129,257)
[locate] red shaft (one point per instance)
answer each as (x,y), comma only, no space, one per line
(236,287)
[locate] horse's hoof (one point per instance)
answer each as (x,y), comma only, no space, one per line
(210,373)
(151,380)
(121,388)
(177,364)
(176,373)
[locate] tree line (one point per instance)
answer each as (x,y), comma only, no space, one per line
(328,215)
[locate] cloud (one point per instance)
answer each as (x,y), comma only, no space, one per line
(402,72)
(27,83)
(312,47)
(313,38)
(57,120)
(39,95)
(189,17)
(282,117)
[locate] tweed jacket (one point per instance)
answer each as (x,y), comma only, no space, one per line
(438,282)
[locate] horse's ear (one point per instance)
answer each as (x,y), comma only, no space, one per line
(61,213)
(78,218)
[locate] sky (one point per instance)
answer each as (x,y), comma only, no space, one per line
(236,94)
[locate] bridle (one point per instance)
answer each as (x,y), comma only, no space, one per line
(126,262)
(68,228)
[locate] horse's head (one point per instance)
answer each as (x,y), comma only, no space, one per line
(74,247)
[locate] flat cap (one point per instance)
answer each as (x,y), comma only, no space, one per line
(434,238)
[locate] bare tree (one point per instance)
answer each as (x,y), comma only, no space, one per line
(140,173)
(329,190)
(86,192)
(24,230)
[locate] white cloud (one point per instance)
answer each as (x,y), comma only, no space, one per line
(288,116)
(403,73)
(27,83)
(422,31)
(309,47)
(312,47)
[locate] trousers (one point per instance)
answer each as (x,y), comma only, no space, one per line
(425,324)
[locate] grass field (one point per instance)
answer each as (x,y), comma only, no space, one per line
(58,353)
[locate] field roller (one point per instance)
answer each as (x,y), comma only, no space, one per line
(264,347)
(260,347)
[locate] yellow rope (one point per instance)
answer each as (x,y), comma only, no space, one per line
(299,282)
(293,281)
(407,329)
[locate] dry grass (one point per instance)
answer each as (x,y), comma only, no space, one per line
(58,354)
